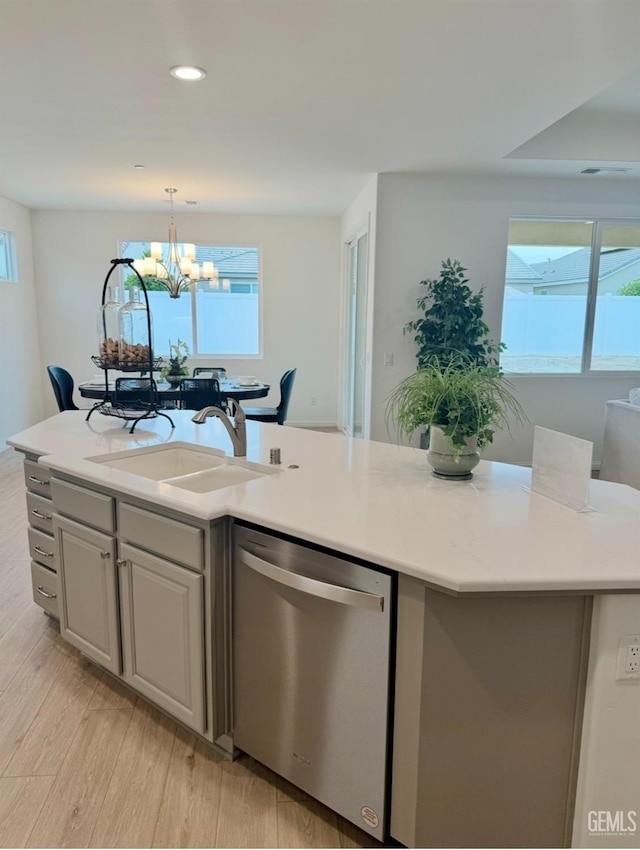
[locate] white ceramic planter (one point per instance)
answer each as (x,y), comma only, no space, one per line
(443,460)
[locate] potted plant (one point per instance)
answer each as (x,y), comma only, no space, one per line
(176,369)
(462,403)
(452,324)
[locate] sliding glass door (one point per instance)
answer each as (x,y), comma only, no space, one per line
(356,335)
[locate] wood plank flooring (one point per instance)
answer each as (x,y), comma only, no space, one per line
(84,763)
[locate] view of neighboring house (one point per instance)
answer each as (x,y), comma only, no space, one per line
(520,275)
(569,274)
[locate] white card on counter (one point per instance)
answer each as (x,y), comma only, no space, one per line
(562,467)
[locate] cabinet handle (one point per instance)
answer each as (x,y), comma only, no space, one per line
(121,562)
(42,552)
(38,481)
(104,555)
(44,593)
(34,512)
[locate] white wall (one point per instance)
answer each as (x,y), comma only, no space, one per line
(420,222)
(609,772)
(21,373)
(360,214)
(301,279)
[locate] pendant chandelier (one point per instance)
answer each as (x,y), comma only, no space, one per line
(178,269)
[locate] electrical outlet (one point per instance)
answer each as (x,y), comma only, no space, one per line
(628,666)
(314,400)
(632,664)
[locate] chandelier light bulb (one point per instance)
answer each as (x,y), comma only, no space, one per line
(178,269)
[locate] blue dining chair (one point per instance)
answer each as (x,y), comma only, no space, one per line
(196,393)
(275,414)
(136,391)
(62,384)
(218,372)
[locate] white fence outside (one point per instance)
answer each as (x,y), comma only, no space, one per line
(228,323)
(544,332)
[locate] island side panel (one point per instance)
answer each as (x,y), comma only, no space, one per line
(608,804)
(501,698)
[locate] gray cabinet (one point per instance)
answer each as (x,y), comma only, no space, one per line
(44,571)
(44,584)
(163,633)
(89,610)
(134,585)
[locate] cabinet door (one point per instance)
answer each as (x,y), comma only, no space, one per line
(87,574)
(163,633)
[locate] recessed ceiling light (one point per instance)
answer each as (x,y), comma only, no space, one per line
(187,72)
(139,166)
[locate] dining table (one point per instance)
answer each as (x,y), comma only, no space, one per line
(171,392)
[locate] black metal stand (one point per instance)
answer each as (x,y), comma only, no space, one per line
(109,406)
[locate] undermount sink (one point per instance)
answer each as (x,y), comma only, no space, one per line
(186,466)
(225,475)
(160,462)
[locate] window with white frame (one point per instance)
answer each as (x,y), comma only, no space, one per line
(216,319)
(589,317)
(7,264)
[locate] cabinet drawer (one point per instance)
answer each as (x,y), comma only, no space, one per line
(42,548)
(37,478)
(45,588)
(175,540)
(40,511)
(85,505)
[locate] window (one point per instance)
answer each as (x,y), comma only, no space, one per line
(7,264)
(589,319)
(217,320)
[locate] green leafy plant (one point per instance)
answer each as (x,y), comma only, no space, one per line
(463,398)
(178,355)
(452,324)
(150,283)
(631,288)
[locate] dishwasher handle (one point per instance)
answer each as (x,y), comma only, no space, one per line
(332,592)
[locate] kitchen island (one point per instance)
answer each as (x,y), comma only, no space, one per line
(496,586)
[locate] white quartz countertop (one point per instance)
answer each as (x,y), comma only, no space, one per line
(379,502)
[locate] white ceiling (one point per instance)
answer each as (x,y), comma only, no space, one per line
(304,99)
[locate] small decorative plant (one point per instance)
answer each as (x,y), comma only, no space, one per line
(178,355)
(452,324)
(464,399)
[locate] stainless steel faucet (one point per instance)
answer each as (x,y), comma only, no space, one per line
(237,431)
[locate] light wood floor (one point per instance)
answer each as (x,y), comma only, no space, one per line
(83,763)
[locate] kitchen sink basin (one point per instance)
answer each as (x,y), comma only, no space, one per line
(186,466)
(215,479)
(161,462)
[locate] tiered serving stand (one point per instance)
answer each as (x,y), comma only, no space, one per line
(132,412)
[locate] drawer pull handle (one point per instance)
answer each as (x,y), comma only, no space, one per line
(104,555)
(38,481)
(34,512)
(44,593)
(42,552)
(121,562)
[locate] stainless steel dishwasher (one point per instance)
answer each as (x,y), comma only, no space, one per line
(311,661)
